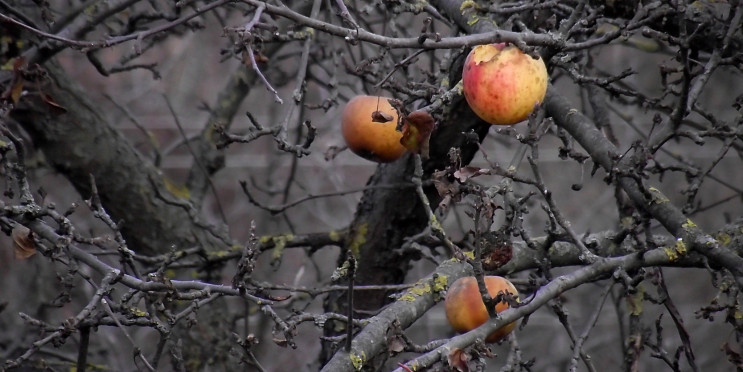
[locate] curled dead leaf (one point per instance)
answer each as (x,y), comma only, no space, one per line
(260,57)
(467,172)
(381,117)
(395,342)
(498,257)
(55,107)
(458,359)
(279,298)
(16,91)
(281,342)
(416,132)
(23,242)
(395,345)
(449,191)
(734,357)
(442,183)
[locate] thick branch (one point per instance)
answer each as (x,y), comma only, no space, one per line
(416,301)
(652,200)
(80,143)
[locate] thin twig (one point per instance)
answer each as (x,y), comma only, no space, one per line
(281,208)
(196,159)
(138,36)
(578,343)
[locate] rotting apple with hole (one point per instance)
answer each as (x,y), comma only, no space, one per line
(502,84)
(466,311)
(369,135)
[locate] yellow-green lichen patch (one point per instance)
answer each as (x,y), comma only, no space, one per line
(724,238)
(341,271)
(359,239)
(671,253)
(218,254)
(676,251)
(419,6)
(357,360)
(279,245)
(469,10)
(420,288)
(657,196)
(210,130)
(91,10)
(627,222)
(435,224)
(445,82)
(408,297)
(134,312)
(424,287)
(466,255)
(635,301)
(725,284)
(681,247)
(440,283)
(467,4)
(334,236)
(179,191)
(689,224)
(612,247)
(643,44)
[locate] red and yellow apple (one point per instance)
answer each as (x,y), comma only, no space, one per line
(502,84)
(466,311)
(367,138)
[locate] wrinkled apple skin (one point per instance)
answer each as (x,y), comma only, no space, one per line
(465,310)
(502,84)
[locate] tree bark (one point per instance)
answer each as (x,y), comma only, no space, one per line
(80,143)
(385,217)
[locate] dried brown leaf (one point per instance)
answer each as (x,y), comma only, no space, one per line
(442,184)
(53,105)
(416,132)
(467,172)
(734,357)
(281,342)
(279,298)
(23,242)
(19,64)
(395,341)
(395,345)
(498,257)
(260,57)
(16,91)
(381,117)
(458,359)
